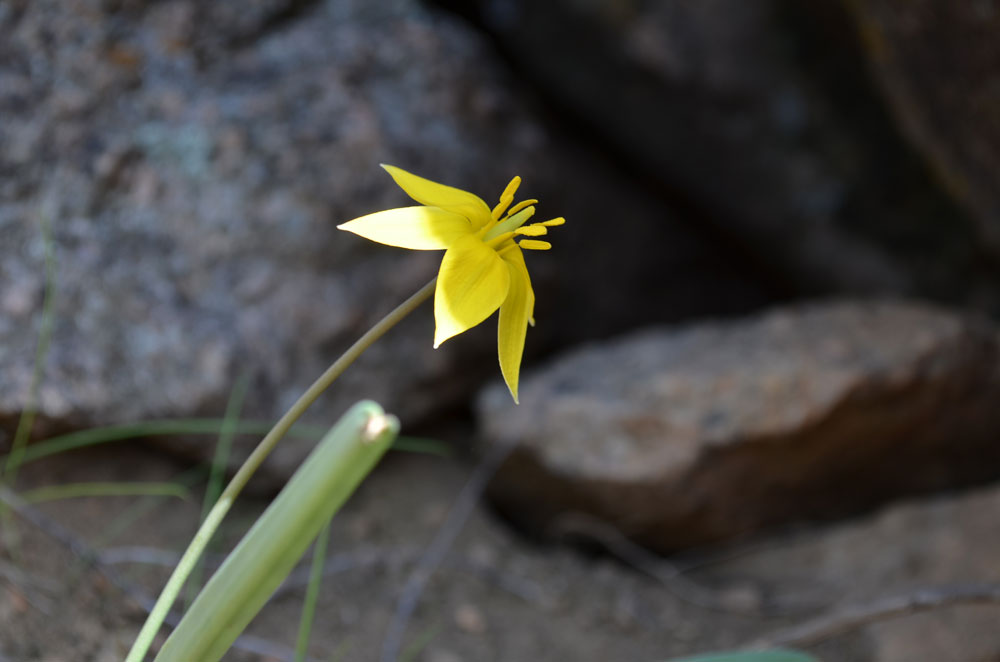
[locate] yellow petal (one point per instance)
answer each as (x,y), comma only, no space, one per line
(472,283)
(515,313)
(417,228)
(433,194)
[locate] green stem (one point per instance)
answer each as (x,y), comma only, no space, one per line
(312,594)
(211,522)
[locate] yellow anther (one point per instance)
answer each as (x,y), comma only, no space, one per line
(521,205)
(554,222)
(533,230)
(501,207)
(511,188)
(535,244)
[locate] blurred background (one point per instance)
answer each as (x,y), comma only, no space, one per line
(763,379)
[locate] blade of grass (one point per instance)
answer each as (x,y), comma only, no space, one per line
(143,506)
(269,551)
(312,594)
(227,431)
(192,426)
(103,489)
(339,654)
(27,418)
(419,643)
(26,421)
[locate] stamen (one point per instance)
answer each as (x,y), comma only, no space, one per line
(511,188)
(521,205)
(533,230)
(506,197)
(554,222)
(502,206)
(510,223)
(535,244)
(499,239)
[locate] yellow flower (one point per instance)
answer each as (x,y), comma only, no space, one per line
(483,268)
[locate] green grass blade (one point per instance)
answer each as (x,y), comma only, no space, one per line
(312,594)
(276,542)
(103,489)
(421,642)
(192,426)
(27,419)
(217,472)
(123,522)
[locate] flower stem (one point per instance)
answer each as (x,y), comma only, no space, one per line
(253,462)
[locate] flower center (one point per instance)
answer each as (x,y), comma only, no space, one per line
(502,234)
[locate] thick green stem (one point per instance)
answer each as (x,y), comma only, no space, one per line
(211,522)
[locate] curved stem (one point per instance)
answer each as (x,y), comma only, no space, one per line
(253,462)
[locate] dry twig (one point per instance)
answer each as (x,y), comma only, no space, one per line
(435,553)
(856,616)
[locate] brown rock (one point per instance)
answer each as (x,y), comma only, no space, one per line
(685,436)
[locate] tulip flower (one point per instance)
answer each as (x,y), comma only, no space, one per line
(483,267)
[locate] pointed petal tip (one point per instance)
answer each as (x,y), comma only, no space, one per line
(512,388)
(439,339)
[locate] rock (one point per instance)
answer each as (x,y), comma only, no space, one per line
(935,62)
(687,436)
(938,542)
(760,120)
(193,163)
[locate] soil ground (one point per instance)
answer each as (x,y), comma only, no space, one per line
(496,597)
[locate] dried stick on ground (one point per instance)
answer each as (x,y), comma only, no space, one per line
(656,567)
(350,561)
(465,502)
(856,616)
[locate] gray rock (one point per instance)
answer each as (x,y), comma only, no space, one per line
(194,161)
(704,433)
(759,119)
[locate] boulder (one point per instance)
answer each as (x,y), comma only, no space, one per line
(935,63)
(761,121)
(193,163)
(709,432)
